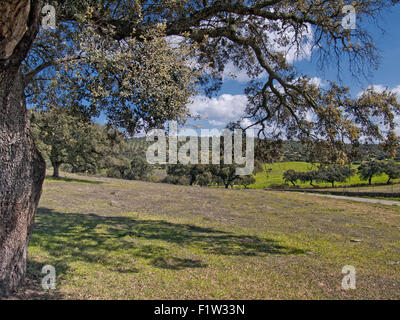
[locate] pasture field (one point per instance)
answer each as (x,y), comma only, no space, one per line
(392,188)
(115,239)
(275,177)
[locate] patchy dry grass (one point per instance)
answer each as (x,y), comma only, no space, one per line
(115,239)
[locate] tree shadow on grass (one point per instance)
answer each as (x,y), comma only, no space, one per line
(65,179)
(117,242)
(32,287)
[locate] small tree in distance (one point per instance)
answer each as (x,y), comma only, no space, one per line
(370,169)
(334,173)
(291,176)
(392,170)
(67,138)
(309,176)
(245,181)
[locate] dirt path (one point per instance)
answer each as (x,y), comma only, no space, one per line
(379,201)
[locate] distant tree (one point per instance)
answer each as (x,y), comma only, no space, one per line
(140,168)
(334,173)
(224,174)
(69,138)
(133,167)
(177,170)
(245,181)
(369,169)
(204,179)
(192,172)
(119,170)
(267,150)
(205,174)
(309,176)
(181,180)
(291,176)
(392,170)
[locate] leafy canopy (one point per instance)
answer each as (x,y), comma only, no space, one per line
(141,61)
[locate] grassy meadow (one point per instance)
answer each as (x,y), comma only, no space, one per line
(275,177)
(115,239)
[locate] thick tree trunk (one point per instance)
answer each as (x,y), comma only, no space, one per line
(22,171)
(56,170)
(22,168)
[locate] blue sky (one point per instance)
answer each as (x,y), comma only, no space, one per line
(388,45)
(230,101)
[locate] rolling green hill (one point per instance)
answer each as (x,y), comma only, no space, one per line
(275,177)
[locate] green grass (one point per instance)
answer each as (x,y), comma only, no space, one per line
(276,176)
(136,240)
(73,180)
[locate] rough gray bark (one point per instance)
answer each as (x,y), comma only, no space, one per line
(22,168)
(22,173)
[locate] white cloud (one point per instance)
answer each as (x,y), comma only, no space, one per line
(232,72)
(221,110)
(292,53)
(318,82)
(381,88)
(304,51)
(225,108)
(217,123)
(246,123)
(397,91)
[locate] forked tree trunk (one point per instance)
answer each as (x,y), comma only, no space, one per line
(22,168)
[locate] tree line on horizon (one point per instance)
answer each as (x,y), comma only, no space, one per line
(367,170)
(69,140)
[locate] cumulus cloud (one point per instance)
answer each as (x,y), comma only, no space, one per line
(318,82)
(233,73)
(273,40)
(225,108)
(221,110)
(381,88)
(292,52)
